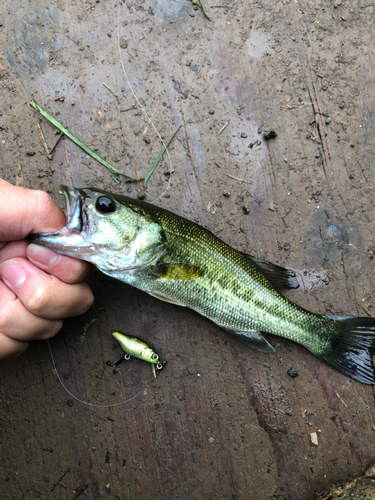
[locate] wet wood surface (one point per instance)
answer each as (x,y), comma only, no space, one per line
(222,421)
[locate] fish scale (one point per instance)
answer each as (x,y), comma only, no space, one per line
(180,262)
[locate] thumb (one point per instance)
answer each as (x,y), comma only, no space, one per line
(25,211)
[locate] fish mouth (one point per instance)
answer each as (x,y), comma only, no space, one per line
(76,224)
(73,211)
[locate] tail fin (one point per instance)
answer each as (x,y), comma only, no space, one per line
(352,350)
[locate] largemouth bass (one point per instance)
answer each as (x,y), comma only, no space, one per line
(180,262)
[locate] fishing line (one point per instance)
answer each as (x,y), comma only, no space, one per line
(156,199)
(80,400)
(140,105)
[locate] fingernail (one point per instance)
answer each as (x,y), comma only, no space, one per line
(42,255)
(12,273)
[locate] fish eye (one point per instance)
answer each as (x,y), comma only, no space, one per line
(105,205)
(155,357)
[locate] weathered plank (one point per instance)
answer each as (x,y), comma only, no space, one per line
(222,421)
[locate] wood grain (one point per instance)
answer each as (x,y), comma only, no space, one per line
(222,421)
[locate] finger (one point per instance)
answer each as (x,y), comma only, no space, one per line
(11,348)
(13,249)
(42,294)
(65,268)
(20,324)
(24,211)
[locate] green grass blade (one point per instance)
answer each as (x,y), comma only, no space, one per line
(155,164)
(79,143)
(200,4)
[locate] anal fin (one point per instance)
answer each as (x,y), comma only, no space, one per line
(253,339)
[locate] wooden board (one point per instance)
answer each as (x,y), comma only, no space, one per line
(222,421)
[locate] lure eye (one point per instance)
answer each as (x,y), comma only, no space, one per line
(155,357)
(105,205)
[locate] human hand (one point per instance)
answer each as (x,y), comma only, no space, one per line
(38,287)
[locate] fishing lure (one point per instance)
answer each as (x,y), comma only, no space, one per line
(138,349)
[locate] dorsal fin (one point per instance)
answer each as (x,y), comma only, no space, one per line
(280,277)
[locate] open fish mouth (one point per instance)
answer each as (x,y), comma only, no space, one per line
(73,210)
(69,239)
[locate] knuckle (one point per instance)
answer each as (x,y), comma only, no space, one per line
(76,270)
(18,349)
(86,299)
(39,300)
(90,298)
(7,314)
(44,202)
(11,348)
(54,329)
(58,326)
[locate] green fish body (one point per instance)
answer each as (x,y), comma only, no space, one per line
(180,262)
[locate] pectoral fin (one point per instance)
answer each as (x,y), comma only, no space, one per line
(253,339)
(179,272)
